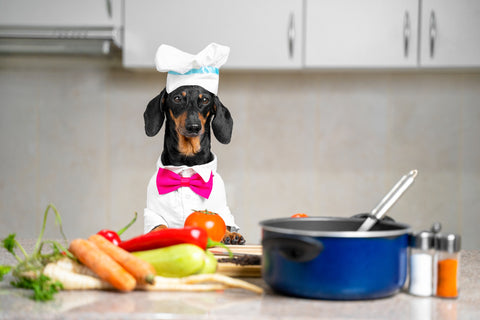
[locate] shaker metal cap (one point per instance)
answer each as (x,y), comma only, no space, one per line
(423,240)
(448,242)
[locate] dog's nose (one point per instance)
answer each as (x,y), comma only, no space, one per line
(193,127)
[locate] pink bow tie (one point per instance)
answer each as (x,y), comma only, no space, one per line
(168,181)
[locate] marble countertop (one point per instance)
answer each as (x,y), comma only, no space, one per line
(240,304)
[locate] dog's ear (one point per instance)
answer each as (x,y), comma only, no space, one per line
(154,114)
(222,123)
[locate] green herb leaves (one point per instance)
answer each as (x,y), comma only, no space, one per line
(4,270)
(43,288)
(28,271)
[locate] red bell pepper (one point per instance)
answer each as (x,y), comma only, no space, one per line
(169,237)
(114,237)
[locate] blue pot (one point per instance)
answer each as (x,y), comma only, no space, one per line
(326,258)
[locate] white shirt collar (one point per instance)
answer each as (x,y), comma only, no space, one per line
(204,170)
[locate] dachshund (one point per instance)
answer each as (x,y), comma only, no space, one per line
(188,112)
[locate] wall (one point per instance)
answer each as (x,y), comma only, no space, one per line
(329,144)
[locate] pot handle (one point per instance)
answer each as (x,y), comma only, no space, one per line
(294,248)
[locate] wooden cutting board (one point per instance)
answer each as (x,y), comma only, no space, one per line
(234,270)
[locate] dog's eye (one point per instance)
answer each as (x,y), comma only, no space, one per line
(204,100)
(177,99)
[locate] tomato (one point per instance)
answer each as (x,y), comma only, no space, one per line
(210,221)
(299,215)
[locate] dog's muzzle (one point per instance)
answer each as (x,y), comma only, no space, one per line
(192,129)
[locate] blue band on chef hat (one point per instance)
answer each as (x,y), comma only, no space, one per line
(196,71)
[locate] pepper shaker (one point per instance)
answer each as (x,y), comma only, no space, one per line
(422,266)
(448,264)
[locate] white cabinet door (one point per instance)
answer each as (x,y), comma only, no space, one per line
(361,34)
(263,34)
(450,33)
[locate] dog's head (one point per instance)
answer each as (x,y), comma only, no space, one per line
(187,112)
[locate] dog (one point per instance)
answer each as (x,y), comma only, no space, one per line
(187,113)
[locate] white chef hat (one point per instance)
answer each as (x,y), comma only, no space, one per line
(188,69)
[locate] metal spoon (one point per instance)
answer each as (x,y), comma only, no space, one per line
(389,200)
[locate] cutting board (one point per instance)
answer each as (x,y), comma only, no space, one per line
(233,270)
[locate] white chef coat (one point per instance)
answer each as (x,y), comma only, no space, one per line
(173,208)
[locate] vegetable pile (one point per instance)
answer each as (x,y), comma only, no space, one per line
(168,259)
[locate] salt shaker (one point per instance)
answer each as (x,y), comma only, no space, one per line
(422,266)
(448,264)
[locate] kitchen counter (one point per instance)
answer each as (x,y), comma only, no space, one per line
(238,303)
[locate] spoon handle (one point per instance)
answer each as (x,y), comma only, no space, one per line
(389,200)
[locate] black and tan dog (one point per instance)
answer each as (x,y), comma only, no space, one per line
(188,112)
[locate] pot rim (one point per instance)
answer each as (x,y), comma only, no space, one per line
(401,228)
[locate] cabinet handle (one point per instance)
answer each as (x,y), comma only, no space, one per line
(406,34)
(432,33)
(109,8)
(291,36)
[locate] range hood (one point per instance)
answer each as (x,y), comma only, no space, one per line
(67,40)
(60,26)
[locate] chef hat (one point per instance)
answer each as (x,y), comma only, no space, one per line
(187,69)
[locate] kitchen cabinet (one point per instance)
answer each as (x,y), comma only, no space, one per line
(361,34)
(312,34)
(263,34)
(450,33)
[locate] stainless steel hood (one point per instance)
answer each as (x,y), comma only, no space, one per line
(59,40)
(60,26)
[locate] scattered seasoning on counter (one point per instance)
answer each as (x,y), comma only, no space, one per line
(421,264)
(448,257)
(244,260)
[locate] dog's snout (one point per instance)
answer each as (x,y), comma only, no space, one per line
(193,127)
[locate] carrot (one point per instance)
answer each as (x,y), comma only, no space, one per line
(101,263)
(143,271)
